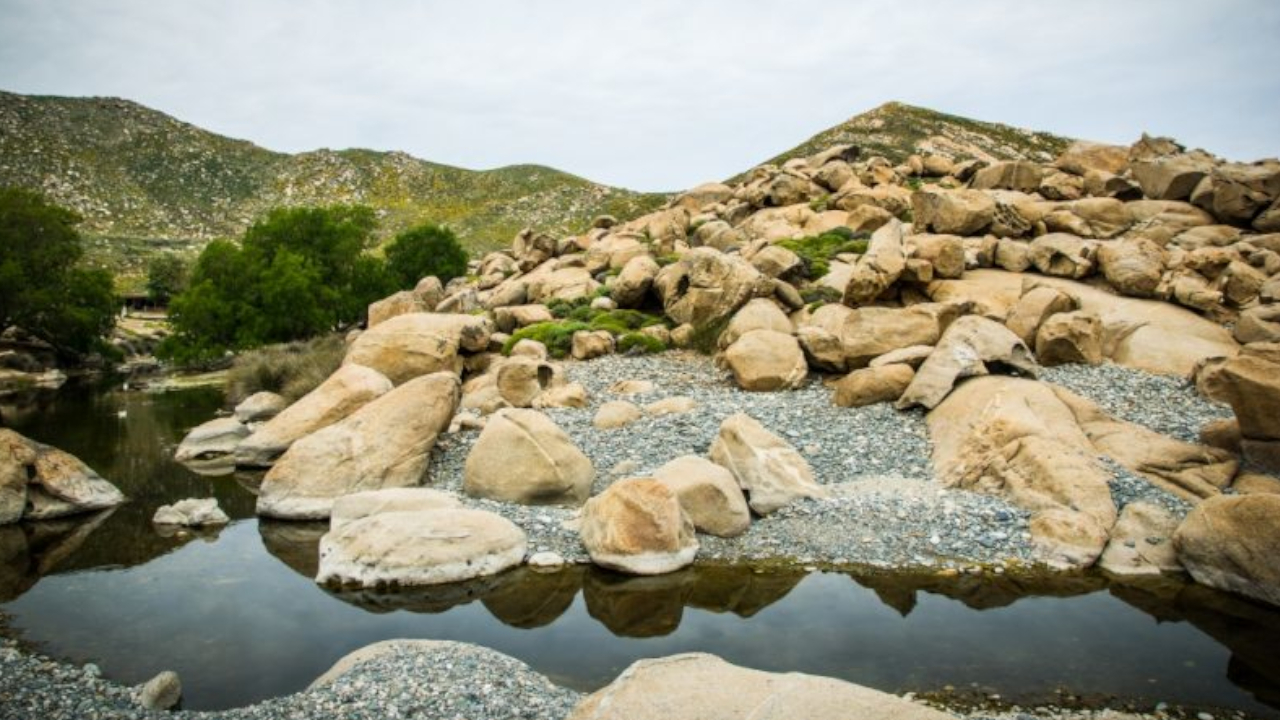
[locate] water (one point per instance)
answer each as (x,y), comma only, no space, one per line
(236,614)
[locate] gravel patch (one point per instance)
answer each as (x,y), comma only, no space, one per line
(1168,405)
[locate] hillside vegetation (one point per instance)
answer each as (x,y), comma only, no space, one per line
(144,182)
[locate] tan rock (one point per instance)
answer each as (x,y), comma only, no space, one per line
(1141,542)
(191,512)
(615,414)
(771,472)
(912,357)
(758,314)
(1036,306)
(766,360)
(632,285)
(1231,543)
(215,439)
(551,469)
(990,293)
(1250,483)
(568,283)
(1071,337)
(1171,177)
(428,547)
(562,396)
(708,493)
(1252,387)
(1018,175)
(704,687)
(675,405)
(776,261)
(513,317)
(520,380)
(401,303)
(385,444)
(954,212)
(1223,433)
(1082,156)
(637,526)
(1133,267)
(259,407)
(531,349)
(837,338)
(1259,324)
(407,346)
(706,285)
(1062,255)
(965,350)
(871,385)
(879,267)
(349,508)
(589,344)
(1067,539)
(944,252)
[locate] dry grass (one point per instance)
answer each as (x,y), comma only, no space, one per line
(290,369)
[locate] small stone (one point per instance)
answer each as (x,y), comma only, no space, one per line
(162,692)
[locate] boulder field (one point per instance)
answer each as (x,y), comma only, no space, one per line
(943,286)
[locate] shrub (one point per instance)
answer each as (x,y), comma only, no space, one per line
(290,369)
(167,276)
(425,250)
(817,250)
(639,342)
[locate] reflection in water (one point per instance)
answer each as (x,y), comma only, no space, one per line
(223,611)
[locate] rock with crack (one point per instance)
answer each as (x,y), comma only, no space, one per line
(345,391)
(1141,542)
(971,346)
(638,526)
(522,456)
(766,467)
(767,360)
(408,346)
(387,443)
(426,547)
(879,267)
(1232,543)
(707,285)
(355,506)
(837,338)
(698,686)
(708,493)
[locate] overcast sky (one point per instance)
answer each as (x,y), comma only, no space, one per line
(654,95)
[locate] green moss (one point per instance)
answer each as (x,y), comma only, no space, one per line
(640,342)
(557,336)
(820,204)
(817,250)
(666,260)
(706,337)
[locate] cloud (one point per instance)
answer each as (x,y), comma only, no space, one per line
(654,95)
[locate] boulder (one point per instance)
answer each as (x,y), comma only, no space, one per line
(1066,539)
(1102,218)
(758,314)
(513,317)
(707,285)
(1251,386)
(427,547)
(944,252)
(770,470)
(520,380)
(407,346)
(527,348)
(1232,542)
(1020,175)
(703,195)
(1036,306)
(615,414)
(1082,156)
(709,495)
(837,338)
(1249,483)
(767,360)
(972,345)
(349,508)
(215,439)
(401,303)
(552,470)
(562,396)
(1134,267)
(1171,177)
(631,286)
(912,356)
(39,482)
(1259,324)
(879,267)
(259,407)
(637,526)
(16,455)
(1070,337)
(952,212)
(871,385)
(697,686)
(192,512)
(386,443)
(1141,542)
(589,344)
(776,261)
(990,293)
(1062,255)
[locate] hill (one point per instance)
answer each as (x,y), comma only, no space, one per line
(896,130)
(145,181)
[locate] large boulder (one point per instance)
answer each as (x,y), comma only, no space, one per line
(39,482)
(1070,337)
(349,508)
(385,444)
(1141,542)
(879,267)
(1251,386)
(707,285)
(837,338)
(637,526)
(1036,306)
(697,686)
(401,303)
(520,380)
(419,548)
(767,360)
(1172,177)
(971,346)
(944,252)
(1062,255)
(215,439)
(871,385)
(259,407)
(632,285)
(709,495)
(1259,324)
(568,283)
(952,212)
(769,469)
(522,456)
(407,346)
(1083,156)
(1020,175)
(1232,542)
(1134,267)
(758,314)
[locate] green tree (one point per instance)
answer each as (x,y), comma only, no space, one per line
(167,276)
(425,250)
(43,287)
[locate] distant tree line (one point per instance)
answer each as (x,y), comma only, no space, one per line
(296,273)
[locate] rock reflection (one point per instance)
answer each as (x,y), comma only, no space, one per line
(529,599)
(980,592)
(31,550)
(296,544)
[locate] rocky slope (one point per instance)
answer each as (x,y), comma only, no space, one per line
(144,180)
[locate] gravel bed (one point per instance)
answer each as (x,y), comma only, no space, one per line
(448,680)
(1169,405)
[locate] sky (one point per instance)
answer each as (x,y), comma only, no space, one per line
(655,95)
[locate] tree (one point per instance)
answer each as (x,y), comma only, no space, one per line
(425,250)
(167,276)
(44,289)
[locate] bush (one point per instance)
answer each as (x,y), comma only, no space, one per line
(167,276)
(817,250)
(290,369)
(639,342)
(425,250)
(43,287)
